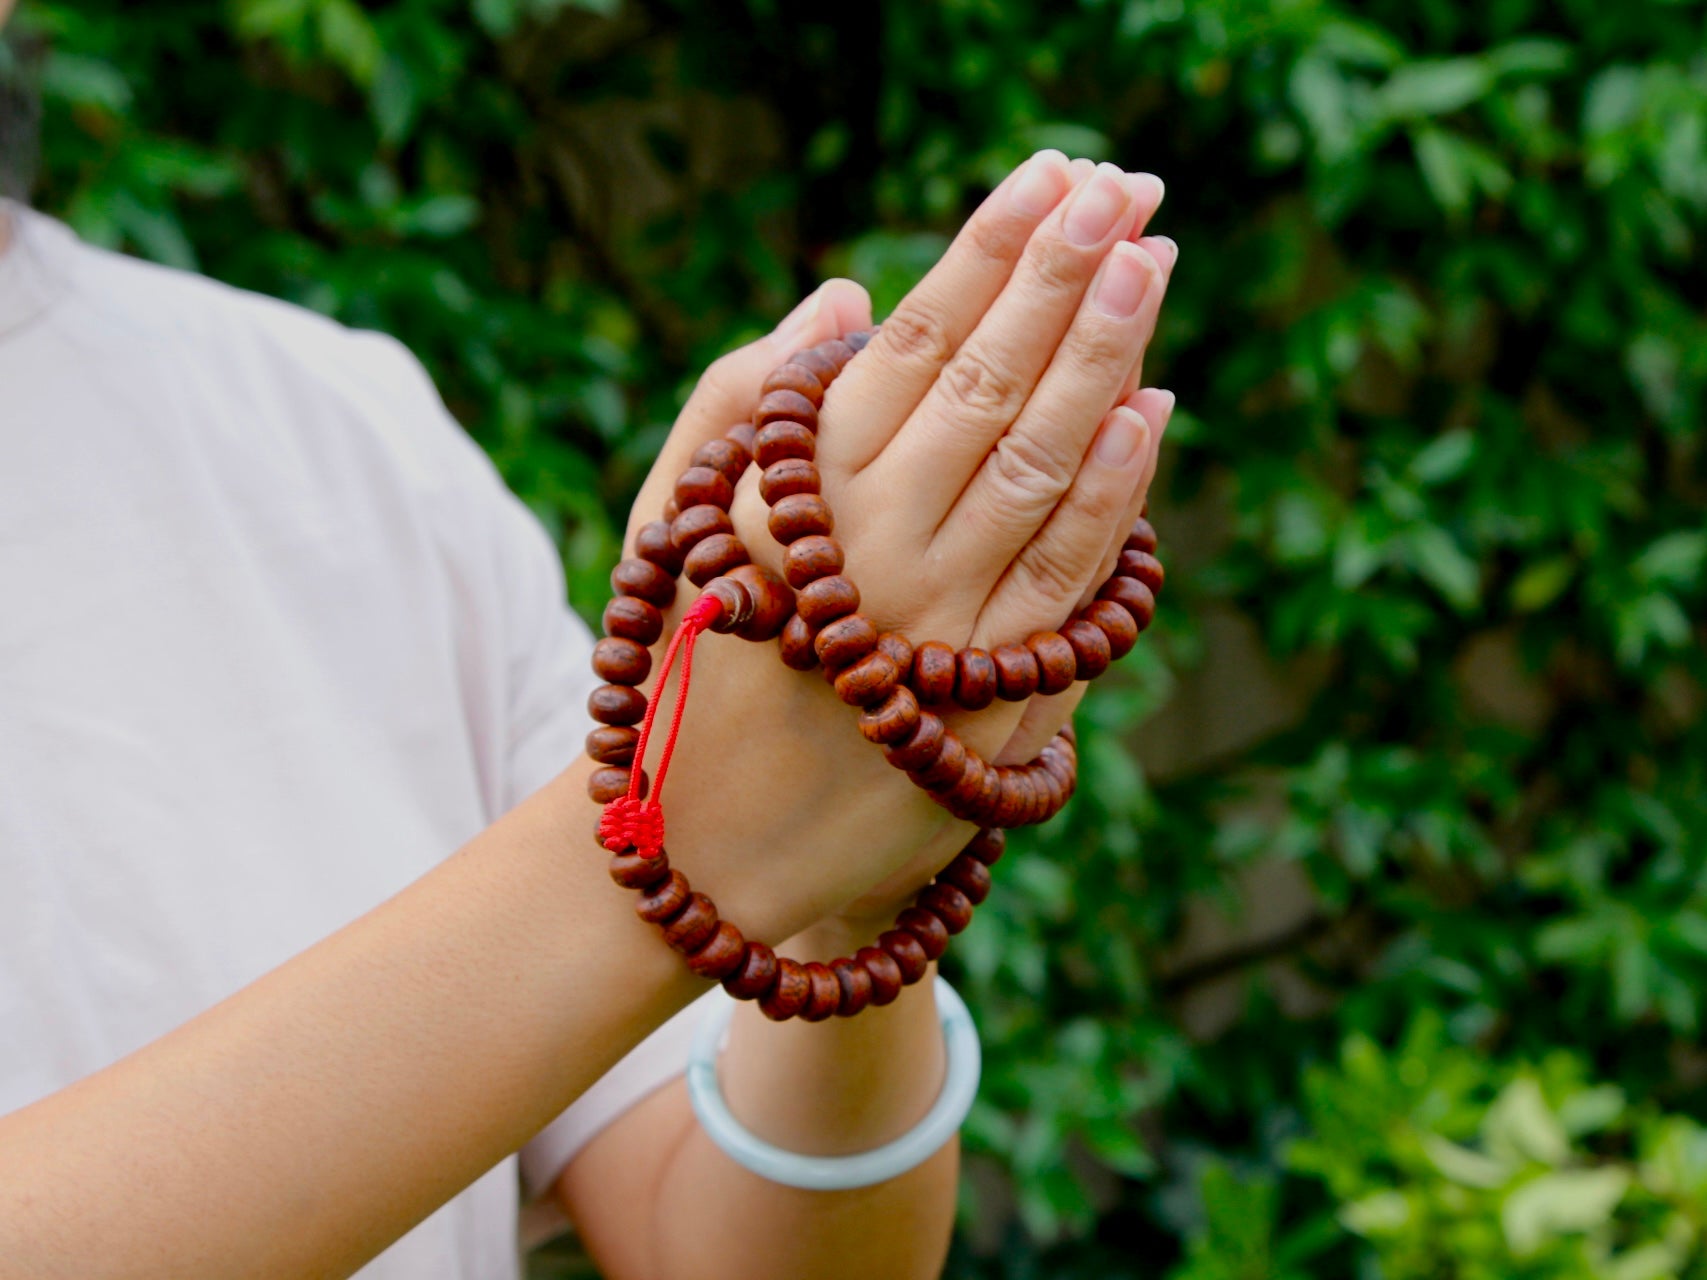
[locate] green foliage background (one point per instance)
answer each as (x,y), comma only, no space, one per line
(1439,341)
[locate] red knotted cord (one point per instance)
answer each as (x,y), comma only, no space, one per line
(628,821)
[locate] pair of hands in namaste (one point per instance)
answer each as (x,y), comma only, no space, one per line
(985,456)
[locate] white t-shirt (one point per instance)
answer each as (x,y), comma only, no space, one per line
(274,640)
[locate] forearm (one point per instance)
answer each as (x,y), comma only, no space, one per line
(304,1123)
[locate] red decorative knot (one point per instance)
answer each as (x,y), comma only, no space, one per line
(627,823)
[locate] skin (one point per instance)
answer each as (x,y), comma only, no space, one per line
(988,443)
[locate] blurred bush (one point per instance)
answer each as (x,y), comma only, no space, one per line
(1376,942)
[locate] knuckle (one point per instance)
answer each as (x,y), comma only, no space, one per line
(1026,471)
(977,384)
(1102,349)
(1050,573)
(916,333)
(1055,267)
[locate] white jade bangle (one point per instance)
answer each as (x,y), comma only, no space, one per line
(837,1173)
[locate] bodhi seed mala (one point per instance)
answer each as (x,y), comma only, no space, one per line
(813,614)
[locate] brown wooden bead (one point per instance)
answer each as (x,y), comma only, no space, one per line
(1115,623)
(974,679)
(1090,648)
(778,441)
(886,979)
(652,542)
(1142,566)
(1057,666)
(1132,596)
(784,406)
(811,558)
(692,929)
(944,771)
(920,747)
(789,993)
(664,902)
(855,982)
(773,602)
(706,485)
(714,557)
(987,846)
(909,953)
(696,524)
(950,903)
(725,457)
(755,975)
(818,364)
(969,875)
(846,640)
(791,475)
(735,604)
(621,661)
(721,955)
(798,653)
(963,798)
(869,681)
(1142,537)
(859,338)
(933,672)
(989,799)
(899,648)
(633,619)
(632,871)
(742,434)
(838,352)
(795,378)
(893,719)
(1016,671)
(1010,807)
(613,744)
(927,927)
(605,785)
(616,704)
(637,577)
(827,599)
(826,994)
(800,515)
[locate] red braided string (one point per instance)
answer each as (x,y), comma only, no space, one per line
(628,821)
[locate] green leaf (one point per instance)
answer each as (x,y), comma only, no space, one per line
(1443,458)
(1541,583)
(1438,559)
(1434,88)
(1564,1202)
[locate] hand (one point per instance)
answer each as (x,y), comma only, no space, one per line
(984,466)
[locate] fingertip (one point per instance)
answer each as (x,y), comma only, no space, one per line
(1163,250)
(1123,439)
(848,303)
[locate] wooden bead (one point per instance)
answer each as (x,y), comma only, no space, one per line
(818,364)
(795,378)
(696,524)
(927,927)
(637,577)
(784,406)
(621,661)
(791,475)
(773,602)
(987,846)
(1090,648)
(869,681)
(706,485)
(721,955)
(735,604)
(613,744)
(755,975)
(1142,537)
(859,338)
(1132,596)
(838,352)
(846,640)
(1016,671)
(789,993)
(989,799)
(886,980)
(664,902)
(778,441)
(1057,666)
(616,704)
(892,719)
(742,434)
(633,619)
(827,599)
(811,558)
(953,906)
(713,557)
(800,515)
(725,457)
(899,648)
(1009,810)
(944,771)
(963,797)
(933,672)
(974,679)
(693,928)
(605,785)
(969,875)
(920,747)
(908,952)
(1115,623)
(1142,566)
(798,653)
(826,995)
(633,871)
(652,542)
(855,981)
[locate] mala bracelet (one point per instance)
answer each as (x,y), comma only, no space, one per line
(878,672)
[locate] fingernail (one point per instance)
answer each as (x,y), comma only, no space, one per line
(1040,184)
(1148,189)
(1121,437)
(1096,208)
(1170,251)
(1167,413)
(1124,278)
(796,322)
